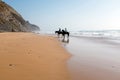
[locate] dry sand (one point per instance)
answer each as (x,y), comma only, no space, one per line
(28,56)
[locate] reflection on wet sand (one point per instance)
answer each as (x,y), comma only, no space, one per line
(65,41)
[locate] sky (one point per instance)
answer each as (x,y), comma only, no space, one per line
(74,15)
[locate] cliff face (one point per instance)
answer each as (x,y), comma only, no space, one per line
(12,21)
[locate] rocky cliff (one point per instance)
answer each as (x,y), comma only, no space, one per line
(12,21)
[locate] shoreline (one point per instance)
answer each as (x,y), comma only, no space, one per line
(29,56)
(93,59)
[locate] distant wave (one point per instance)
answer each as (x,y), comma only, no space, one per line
(110,35)
(113,34)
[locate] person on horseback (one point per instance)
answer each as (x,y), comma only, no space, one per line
(63,33)
(66,32)
(65,29)
(59,30)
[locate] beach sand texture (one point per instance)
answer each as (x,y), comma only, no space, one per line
(28,56)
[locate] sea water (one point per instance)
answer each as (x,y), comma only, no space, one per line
(113,35)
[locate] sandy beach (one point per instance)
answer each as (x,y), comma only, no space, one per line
(94,58)
(28,56)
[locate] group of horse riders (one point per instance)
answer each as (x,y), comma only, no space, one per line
(63,32)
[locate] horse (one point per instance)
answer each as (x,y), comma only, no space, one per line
(58,33)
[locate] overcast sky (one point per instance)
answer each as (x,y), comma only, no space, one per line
(72,14)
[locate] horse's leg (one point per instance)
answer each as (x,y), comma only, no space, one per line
(58,35)
(63,37)
(67,35)
(68,40)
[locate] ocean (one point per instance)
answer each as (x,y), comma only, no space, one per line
(113,35)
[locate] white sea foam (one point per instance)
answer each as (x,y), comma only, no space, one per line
(111,35)
(115,34)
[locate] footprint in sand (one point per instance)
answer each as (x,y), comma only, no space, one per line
(12,65)
(29,52)
(39,56)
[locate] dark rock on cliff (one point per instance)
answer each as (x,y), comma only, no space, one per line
(12,21)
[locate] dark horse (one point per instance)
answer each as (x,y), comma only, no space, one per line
(63,33)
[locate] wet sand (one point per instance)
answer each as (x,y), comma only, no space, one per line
(93,59)
(28,56)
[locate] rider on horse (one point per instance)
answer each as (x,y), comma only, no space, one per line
(59,29)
